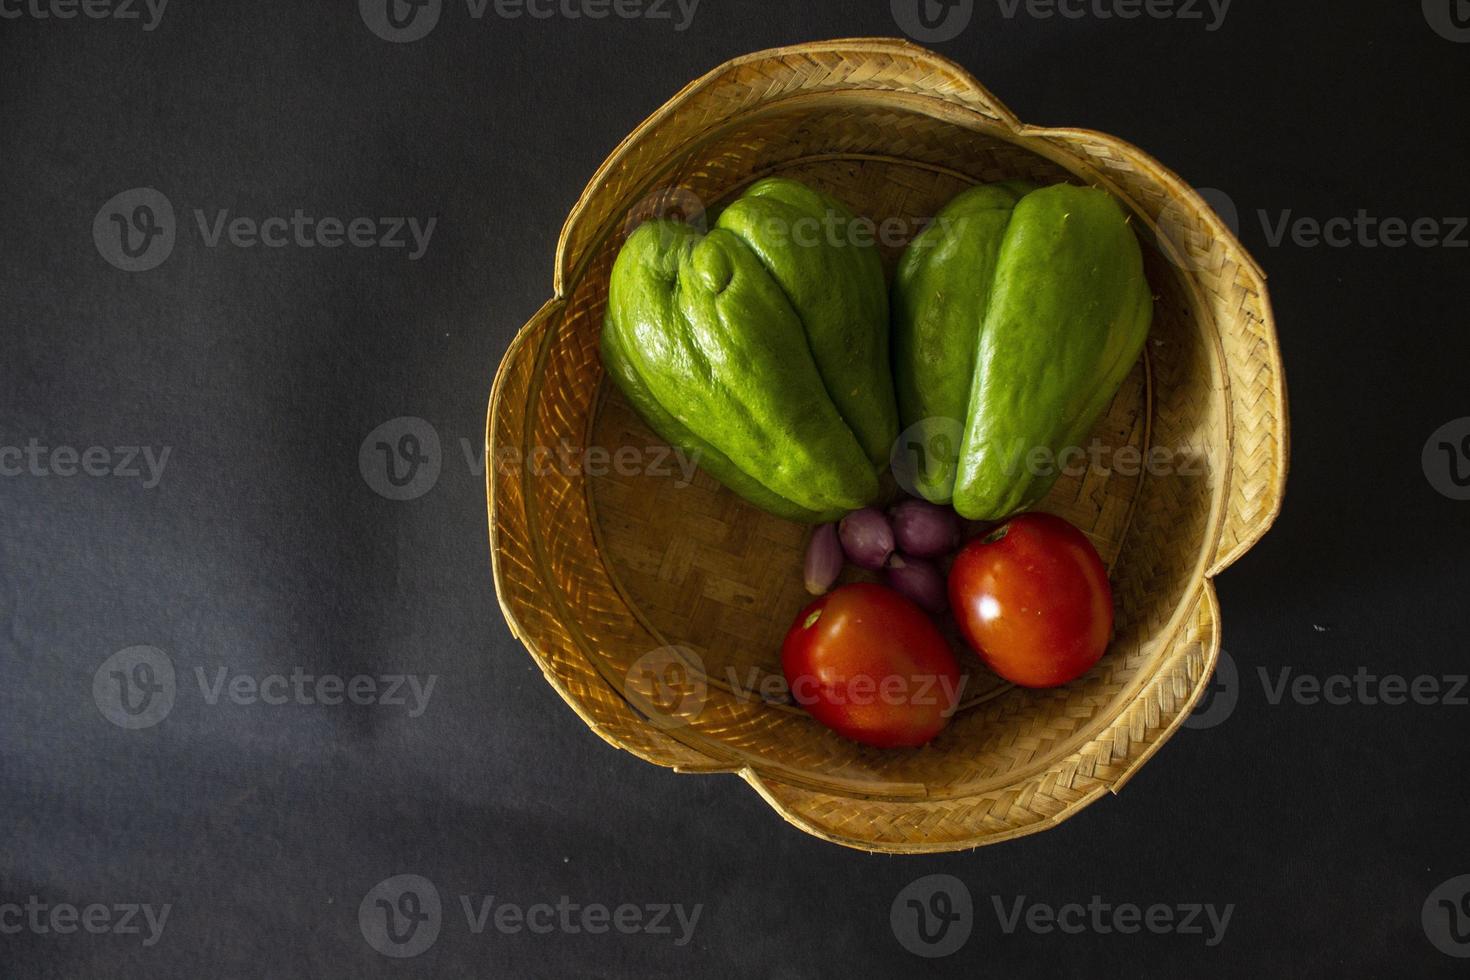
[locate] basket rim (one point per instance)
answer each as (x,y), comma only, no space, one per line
(1210,563)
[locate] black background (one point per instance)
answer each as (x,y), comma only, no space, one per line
(263,549)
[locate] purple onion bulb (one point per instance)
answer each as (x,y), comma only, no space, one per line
(920,581)
(925,530)
(867,538)
(823,560)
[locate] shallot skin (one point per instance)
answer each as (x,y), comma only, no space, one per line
(824,560)
(918,580)
(867,538)
(925,530)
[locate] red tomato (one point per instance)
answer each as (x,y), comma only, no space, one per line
(1032,598)
(868,664)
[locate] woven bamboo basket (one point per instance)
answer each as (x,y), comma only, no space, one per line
(655,604)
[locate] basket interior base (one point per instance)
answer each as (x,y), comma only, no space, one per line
(705,571)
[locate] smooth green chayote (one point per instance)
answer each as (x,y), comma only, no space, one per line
(1016,316)
(808,241)
(940,296)
(761,352)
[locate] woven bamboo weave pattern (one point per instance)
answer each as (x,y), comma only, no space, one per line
(654,599)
